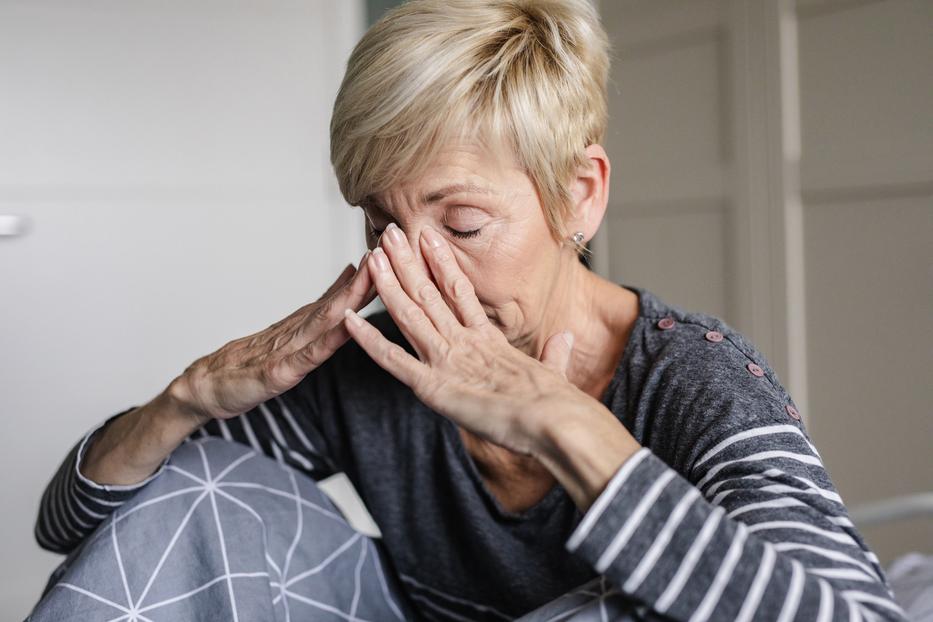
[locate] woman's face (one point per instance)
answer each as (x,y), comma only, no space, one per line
(489,212)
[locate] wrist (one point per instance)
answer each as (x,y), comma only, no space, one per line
(177,409)
(175,414)
(131,447)
(583,450)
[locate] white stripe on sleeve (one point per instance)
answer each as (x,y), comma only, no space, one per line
(602,501)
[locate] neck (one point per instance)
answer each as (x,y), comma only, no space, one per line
(600,314)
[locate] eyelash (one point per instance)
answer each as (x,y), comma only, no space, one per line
(454,232)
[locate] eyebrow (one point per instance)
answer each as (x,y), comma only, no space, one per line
(436,195)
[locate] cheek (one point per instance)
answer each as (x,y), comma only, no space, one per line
(498,275)
(511,265)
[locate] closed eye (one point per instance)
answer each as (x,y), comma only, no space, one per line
(454,232)
(464,234)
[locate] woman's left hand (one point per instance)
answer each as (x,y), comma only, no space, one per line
(468,371)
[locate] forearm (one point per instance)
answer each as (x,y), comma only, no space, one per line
(654,534)
(105,468)
(583,450)
(132,446)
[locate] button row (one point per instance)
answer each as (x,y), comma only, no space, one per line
(667,323)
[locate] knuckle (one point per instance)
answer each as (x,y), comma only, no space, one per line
(478,318)
(413,315)
(461,288)
(306,353)
(428,293)
(319,351)
(309,355)
(395,352)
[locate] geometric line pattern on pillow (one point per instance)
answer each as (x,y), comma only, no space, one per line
(224,533)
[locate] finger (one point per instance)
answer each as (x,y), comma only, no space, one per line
(409,317)
(416,281)
(342,278)
(451,279)
(303,360)
(298,316)
(360,291)
(388,355)
(556,352)
(351,293)
(352,281)
(356,293)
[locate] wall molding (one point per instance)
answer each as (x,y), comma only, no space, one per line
(807,9)
(631,210)
(861,194)
(768,294)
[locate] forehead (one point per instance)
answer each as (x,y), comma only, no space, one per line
(463,168)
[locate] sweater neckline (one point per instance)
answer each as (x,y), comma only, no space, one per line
(557,492)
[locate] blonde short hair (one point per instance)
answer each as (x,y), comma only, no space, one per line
(530,75)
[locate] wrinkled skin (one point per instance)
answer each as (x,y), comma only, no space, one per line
(485,313)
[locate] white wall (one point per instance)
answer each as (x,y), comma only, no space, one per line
(171,160)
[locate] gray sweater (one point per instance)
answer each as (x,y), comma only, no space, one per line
(727,511)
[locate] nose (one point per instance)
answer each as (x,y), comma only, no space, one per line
(413,235)
(414,241)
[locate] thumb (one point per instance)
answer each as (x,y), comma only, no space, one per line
(556,353)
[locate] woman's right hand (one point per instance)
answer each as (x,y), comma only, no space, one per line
(248,371)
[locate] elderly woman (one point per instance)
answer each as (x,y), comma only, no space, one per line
(530,438)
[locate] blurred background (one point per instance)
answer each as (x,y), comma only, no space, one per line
(165,187)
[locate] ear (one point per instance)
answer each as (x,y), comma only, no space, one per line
(590,191)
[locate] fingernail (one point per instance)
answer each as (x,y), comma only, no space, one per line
(568,337)
(394,233)
(363,260)
(382,262)
(432,237)
(351,315)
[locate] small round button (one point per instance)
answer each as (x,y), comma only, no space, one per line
(714,335)
(793,412)
(756,370)
(665,323)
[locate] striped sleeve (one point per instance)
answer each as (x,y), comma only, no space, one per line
(755,532)
(284,428)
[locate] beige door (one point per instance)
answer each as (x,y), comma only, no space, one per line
(773,165)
